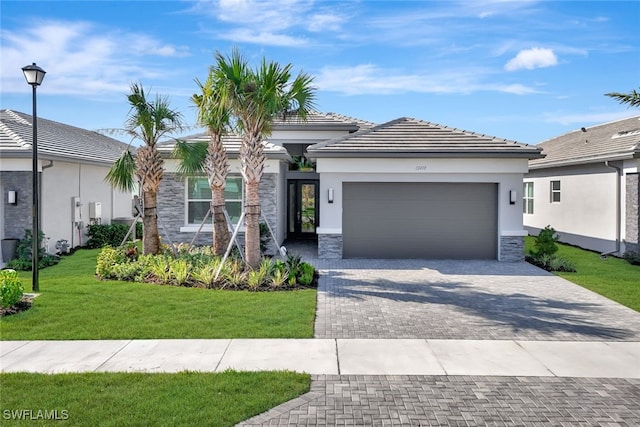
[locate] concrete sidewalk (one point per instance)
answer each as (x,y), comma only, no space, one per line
(330,357)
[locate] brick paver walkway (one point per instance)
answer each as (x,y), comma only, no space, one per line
(459,401)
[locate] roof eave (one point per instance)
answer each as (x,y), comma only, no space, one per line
(423,154)
(585,161)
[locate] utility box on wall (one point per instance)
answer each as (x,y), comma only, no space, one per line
(95,210)
(76,214)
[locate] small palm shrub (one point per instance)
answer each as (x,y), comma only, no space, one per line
(11,288)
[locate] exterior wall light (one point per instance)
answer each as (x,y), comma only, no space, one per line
(12,197)
(330,195)
(513,197)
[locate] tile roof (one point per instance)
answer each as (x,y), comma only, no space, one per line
(323,121)
(55,140)
(231,143)
(609,141)
(408,137)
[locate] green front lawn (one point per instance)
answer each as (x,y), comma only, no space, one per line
(74,305)
(612,277)
(117,399)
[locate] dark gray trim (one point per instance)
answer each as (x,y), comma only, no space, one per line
(585,242)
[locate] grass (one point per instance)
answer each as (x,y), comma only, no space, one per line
(117,399)
(611,277)
(74,305)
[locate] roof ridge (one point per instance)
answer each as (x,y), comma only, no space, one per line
(18,117)
(15,136)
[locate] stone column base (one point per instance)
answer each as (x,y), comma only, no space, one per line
(511,248)
(330,246)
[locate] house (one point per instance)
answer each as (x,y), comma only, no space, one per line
(288,193)
(587,187)
(403,189)
(73,164)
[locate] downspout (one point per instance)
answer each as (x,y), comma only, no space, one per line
(618,210)
(42,168)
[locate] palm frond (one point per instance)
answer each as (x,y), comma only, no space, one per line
(632,98)
(122,173)
(192,156)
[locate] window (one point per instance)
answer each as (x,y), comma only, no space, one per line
(555,191)
(199,198)
(527,198)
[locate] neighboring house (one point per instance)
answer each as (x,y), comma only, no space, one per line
(587,187)
(403,189)
(73,164)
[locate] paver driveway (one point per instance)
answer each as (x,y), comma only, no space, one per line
(462,300)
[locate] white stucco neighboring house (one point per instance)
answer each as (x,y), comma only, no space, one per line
(587,187)
(403,189)
(72,166)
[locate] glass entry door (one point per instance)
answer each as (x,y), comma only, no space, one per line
(303,208)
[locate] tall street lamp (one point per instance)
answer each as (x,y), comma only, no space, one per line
(34,76)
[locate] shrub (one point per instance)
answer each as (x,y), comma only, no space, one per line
(632,257)
(307,273)
(106,234)
(10,288)
(545,243)
(552,263)
(108,259)
(23,258)
(278,277)
(179,271)
(206,274)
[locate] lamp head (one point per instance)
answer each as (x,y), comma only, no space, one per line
(33,74)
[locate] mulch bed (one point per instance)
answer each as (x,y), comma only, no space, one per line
(23,305)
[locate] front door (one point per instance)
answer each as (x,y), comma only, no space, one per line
(302,215)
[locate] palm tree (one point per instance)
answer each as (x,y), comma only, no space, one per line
(632,98)
(147,121)
(212,157)
(256,98)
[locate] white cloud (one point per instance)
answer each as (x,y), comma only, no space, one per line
(80,58)
(370,79)
(585,119)
(532,58)
(246,35)
(324,22)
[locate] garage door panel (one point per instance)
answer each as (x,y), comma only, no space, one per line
(420,220)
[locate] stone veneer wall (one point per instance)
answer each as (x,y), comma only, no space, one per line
(330,246)
(17,217)
(632,235)
(172,211)
(511,248)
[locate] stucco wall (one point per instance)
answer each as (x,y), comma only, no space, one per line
(58,184)
(64,180)
(506,173)
(586,214)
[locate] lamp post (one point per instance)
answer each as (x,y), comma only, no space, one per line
(34,76)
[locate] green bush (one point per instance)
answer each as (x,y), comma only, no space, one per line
(106,234)
(108,259)
(632,257)
(23,260)
(552,263)
(545,243)
(11,288)
(307,273)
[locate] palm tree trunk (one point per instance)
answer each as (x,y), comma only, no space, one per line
(150,235)
(252,224)
(220,227)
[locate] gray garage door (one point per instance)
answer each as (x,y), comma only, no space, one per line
(419,220)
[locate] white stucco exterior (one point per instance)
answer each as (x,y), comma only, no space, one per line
(591,211)
(506,173)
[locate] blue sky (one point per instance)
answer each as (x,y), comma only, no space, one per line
(521,70)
